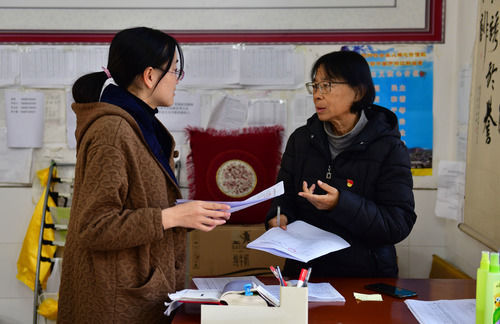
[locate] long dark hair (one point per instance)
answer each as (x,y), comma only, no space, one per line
(130,53)
(351,67)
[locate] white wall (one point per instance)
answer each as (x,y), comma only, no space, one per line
(430,234)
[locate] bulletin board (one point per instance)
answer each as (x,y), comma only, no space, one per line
(482,203)
(226,21)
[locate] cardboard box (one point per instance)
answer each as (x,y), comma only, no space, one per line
(223,252)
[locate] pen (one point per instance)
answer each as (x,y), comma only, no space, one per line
(282,281)
(278,216)
(275,273)
(302,278)
(308,276)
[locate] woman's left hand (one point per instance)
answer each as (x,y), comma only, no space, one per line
(321,202)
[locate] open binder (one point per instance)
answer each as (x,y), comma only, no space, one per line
(293,309)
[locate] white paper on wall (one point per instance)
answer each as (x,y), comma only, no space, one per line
(302,109)
(47,66)
(25,118)
(70,121)
(266,112)
(271,65)
(229,113)
(90,59)
(211,66)
(451,190)
(184,112)
(15,163)
(9,66)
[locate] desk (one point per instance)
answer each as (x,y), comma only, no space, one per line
(391,310)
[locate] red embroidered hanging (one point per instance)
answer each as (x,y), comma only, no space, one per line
(234,165)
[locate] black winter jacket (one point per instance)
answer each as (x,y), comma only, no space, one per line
(376,205)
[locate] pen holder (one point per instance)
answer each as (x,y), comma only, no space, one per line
(293,309)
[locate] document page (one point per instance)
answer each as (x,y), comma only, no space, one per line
(300,241)
(316,291)
(456,311)
(271,192)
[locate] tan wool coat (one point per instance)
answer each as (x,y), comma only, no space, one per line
(118,264)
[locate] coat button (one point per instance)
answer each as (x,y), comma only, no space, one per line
(312,135)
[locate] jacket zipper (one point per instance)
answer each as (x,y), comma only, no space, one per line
(329,172)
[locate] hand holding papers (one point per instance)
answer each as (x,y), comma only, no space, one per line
(300,241)
(271,192)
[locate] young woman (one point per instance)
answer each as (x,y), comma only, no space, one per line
(125,248)
(348,172)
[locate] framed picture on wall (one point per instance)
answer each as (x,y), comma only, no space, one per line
(227,21)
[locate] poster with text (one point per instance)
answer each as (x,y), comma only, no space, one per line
(403,79)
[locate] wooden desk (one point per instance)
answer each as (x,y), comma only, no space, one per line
(391,310)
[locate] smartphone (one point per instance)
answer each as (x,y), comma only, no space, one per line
(390,290)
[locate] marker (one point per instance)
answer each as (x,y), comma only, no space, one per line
(307,277)
(278,216)
(302,278)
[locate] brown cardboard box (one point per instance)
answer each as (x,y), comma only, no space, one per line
(223,252)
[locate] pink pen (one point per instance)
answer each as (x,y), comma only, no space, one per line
(302,278)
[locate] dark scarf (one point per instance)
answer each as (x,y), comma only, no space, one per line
(153,131)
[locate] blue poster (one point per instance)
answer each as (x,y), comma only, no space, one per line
(403,79)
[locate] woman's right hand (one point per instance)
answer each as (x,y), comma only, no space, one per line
(202,215)
(273,222)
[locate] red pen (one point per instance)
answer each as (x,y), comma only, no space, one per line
(302,278)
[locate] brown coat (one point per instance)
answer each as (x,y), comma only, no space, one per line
(119,264)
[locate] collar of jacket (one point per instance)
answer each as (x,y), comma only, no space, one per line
(381,122)
(144,116)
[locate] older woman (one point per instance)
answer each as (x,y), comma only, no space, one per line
(348,172)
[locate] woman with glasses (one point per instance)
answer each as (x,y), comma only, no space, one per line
(348,172)
(125,248)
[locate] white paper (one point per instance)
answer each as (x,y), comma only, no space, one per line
(316,291)
(271,192)
(302,109)
(266,112)
(451,190)
(90,59)
(458,311)
(268,65)
(70,121)
(48,66)
(211,66)
(300,241)
(25,118)
(183,113)
(9,67)
(230,113)
(15,163)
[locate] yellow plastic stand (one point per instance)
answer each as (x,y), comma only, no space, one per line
(293,310)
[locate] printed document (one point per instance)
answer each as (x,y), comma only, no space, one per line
(300,241)
(271,192)
(456,311)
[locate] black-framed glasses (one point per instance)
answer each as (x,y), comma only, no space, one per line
(324,87)
(178,73)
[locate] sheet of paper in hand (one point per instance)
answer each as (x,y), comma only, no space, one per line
(300,241)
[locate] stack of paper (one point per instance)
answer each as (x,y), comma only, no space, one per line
(300,241)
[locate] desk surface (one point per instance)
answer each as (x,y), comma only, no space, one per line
(391,310)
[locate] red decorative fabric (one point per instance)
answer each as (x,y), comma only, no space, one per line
(233,166)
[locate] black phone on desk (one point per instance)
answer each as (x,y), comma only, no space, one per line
(391,290)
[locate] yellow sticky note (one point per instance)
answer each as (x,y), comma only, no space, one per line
(368,297)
